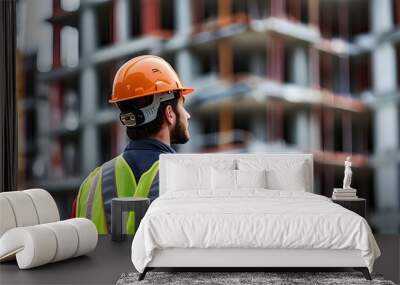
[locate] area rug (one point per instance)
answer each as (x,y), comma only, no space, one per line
(225,278)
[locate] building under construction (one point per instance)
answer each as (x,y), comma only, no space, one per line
(270,76)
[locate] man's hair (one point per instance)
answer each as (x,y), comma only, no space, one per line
(153,127)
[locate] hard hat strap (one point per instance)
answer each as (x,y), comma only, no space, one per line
(146,114)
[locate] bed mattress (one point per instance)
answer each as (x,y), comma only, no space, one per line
(250,219)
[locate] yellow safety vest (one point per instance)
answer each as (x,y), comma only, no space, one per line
(113,179)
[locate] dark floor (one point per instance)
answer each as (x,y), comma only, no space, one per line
(389,262)
(106,264)
(102,266)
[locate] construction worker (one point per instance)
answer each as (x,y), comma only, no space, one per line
(150,97)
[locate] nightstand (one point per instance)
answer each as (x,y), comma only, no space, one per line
(120,205)
(358,205)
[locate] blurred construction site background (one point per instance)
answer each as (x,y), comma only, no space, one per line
(320,77)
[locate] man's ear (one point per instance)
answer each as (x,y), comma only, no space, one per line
(169,114)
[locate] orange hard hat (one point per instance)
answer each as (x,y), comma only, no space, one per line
(143,76)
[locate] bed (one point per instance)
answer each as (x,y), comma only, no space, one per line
(246,211)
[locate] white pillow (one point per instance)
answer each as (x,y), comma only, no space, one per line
(282,174)
(223,179)
(279,180)
(229,179)
(251,178)
(188,177)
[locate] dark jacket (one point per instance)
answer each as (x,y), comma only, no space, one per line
(141,155)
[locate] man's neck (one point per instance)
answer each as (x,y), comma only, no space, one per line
(162,136)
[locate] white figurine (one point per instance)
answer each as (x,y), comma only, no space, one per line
(347,173)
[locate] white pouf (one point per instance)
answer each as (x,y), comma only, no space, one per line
(31,232)
(45,205)
(7,218)
(40,244)
(24,211)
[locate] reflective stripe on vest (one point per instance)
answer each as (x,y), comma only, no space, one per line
(83,194)
(142,190)
(92,191)
(108,186)
(116,180)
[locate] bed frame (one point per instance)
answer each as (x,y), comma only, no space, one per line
(246,259)
(242,259)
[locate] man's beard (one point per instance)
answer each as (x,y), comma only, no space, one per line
(178,134)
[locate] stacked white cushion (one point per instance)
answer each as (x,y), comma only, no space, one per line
(7,218)
(66,237)
(26,208)
(45,205)
(37,245)
(23,209)
(32,246)
(87,235)
(31,232)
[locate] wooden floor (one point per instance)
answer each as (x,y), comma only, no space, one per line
(106,264)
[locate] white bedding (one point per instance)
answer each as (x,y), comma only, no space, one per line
(251,218)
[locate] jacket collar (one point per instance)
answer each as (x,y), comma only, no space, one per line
(149,144)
